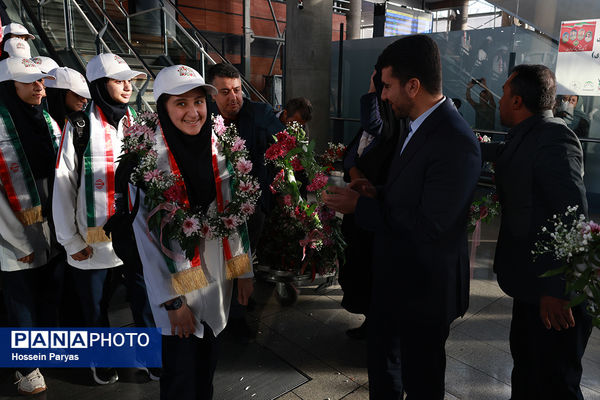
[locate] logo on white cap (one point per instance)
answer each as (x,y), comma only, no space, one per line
(119,60)
(28,63)
(185,71)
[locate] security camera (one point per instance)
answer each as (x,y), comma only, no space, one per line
(300,5)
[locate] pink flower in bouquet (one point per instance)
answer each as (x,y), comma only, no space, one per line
(238,144)
(244,166)
(274,152)
(318,182)
(247,209)
(594,227)
(206,231)
(277,182)
(296,164)
(176,193)
(286,141)
(151,175)
(190,226)
(219,125)
(153,153)
(231,221)
(246,186)
(287,200)
(325,214)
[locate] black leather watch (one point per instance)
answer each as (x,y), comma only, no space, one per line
(175,304)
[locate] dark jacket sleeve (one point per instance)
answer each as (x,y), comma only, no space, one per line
(558,180)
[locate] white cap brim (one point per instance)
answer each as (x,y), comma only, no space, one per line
(32,78)
(83,92)
(210,89)
(127,75)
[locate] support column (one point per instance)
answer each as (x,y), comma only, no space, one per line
(461,14)
(353,19)
(308,61)
(247,40)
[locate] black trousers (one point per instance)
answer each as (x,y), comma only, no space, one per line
(188,366)
(406,356)
(547,363)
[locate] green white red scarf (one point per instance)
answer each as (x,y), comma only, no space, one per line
(188,275)
(98,171)
(15,173)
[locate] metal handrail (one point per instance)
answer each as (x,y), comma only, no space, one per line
(197,32)
(197,39)
(149,73)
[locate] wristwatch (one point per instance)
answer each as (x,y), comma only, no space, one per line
(175,304)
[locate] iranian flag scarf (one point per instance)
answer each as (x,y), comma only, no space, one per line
(15,173)
(189,275)
(98,172)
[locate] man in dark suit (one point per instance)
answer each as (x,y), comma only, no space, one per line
(539,173)
(256,124)
(419,218)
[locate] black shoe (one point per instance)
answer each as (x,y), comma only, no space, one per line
(104,376)
(359,333)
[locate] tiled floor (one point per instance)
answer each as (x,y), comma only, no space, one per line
(310,335)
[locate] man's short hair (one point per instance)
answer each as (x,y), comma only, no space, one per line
(300,105)
(221,70)
(536,85)
(415,56)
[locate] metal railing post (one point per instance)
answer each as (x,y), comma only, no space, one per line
(68,25)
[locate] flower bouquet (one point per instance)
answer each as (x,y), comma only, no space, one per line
(171,214)
(576,241)
(300,235)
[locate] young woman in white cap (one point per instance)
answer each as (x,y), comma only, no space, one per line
(16,47)
(31,271)
(67,93)
(84,187)
(189,296)
(45,64)
(13,30)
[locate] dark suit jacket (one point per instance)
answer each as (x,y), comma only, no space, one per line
(257,123)
(538,174)
(420,257)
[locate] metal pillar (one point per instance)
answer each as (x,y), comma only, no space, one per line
(461,15)
(247,40)
(308,62)
(353,18)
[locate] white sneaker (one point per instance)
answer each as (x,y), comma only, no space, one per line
(31,383)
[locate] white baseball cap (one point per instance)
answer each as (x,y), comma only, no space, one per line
(17,29)
(67,78)
(21,70)
(178,79)
(45,64)
(17,47)
(108,65)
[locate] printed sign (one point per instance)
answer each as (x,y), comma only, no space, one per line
(80,347)
(578,61)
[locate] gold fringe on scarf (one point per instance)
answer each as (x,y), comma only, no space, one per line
(188,280)
(30,216)
(238,265)
(96,234)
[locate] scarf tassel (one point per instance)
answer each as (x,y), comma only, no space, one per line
(30,216)
(188,280)
(238,265)
(96,234)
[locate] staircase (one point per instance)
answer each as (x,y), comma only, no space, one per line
(148,40)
